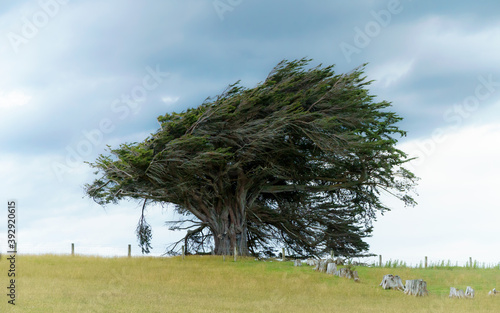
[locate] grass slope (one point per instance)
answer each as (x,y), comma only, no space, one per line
(206,284)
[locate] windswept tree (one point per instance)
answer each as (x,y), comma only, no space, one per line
(301,159)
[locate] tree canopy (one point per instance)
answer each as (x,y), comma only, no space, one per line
(300,160)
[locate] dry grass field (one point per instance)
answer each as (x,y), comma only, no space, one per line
(51,283)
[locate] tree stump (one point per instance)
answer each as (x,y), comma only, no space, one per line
(392,282)
(459,293)
(321,266)
(331,268)
(469,292)
(456,293)
(355,276)
(416,287)
(348,273)
(316,264)
(297,263)
(344,272)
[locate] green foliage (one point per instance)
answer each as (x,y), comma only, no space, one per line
(301,159)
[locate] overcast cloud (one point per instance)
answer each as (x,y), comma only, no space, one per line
(76,76)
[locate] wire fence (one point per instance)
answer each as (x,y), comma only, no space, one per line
(69,248)
(130,250)
(427,262)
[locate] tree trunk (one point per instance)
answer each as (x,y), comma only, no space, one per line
(226,241)
(228,235)
(229,223)
(416,287)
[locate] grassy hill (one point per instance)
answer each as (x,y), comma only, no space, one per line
(207,284)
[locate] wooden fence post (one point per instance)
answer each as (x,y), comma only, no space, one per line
(425,261)
(183,252)
(235,253)
(72,249)
(470,262)
(380,260)
(129,250)
(283,254)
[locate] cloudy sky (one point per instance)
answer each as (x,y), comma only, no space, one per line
(76,76)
